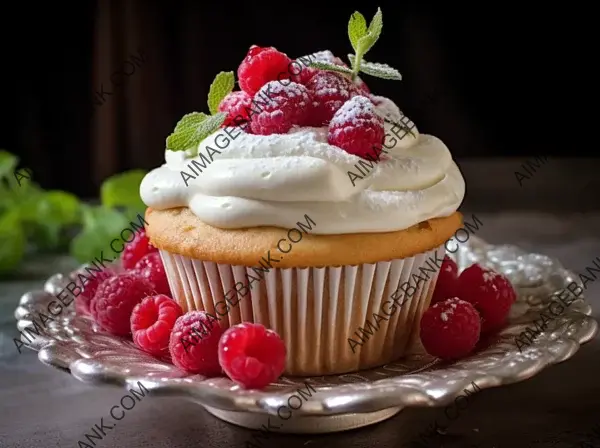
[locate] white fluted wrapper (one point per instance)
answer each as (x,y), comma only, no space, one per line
(316,311)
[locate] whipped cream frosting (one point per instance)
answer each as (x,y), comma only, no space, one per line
(256,180)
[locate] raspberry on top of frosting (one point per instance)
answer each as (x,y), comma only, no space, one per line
(284,106)
(357,128)
(306,135)
(330,91)
(279,93)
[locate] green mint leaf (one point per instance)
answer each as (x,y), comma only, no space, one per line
(8,163)
(219,89)
(379,70)
(46,237)
(357,28)
(88,244)
(366,42)
(210,125)
(192,129)
(331,67)
(22,177)
(123,190)
(47,216)
(12,242)
(101,226)
(58,207)
(185,134)
(376,24)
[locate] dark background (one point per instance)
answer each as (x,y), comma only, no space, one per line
(490,79)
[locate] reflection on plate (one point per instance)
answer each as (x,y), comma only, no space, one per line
(341,401)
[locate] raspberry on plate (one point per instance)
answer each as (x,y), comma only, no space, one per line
(489,292)
(115,299)
(357,128)
(329,92)
(281,107)
(194,343)
(152,321)
(152,269)
(446,285)
(261,65)
(450,329)
(236,105)
(83,300)
(507,292)
(136,249)
(252,355)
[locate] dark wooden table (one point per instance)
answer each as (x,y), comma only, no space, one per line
(44,407)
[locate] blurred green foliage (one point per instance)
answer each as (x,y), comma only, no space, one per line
(33,220)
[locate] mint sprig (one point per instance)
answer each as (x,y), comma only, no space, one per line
(123,190)
(377,69)
(219,89)
(366,42)
(362,39)
(357,28)
(192,129)
(196,126)
(331,67)
(34,220)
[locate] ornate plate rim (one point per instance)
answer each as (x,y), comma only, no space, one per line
(419,389)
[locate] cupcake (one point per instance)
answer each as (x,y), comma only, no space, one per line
(307,204)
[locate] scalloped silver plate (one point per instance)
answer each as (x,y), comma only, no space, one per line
(341,402)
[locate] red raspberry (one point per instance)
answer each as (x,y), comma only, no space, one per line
(357,129)
(251,355)
(84,299)
(115,299)
(506,288)
(152,269)
(447,281)
(135,251)
(236,105)
(450,329)
(489,292)
(281,107)
(152,321)
(307,74)
(329,91)
(194,343)
(261,65)
(320,56)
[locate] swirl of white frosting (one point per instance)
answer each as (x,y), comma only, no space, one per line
(256,180)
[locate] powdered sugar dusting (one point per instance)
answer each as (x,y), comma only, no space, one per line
(307,175)
(328,84)
(450,306)
(489,275)
(323,56)
(355,111)
(274,89)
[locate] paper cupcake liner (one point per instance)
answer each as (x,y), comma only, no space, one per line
(331,318)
